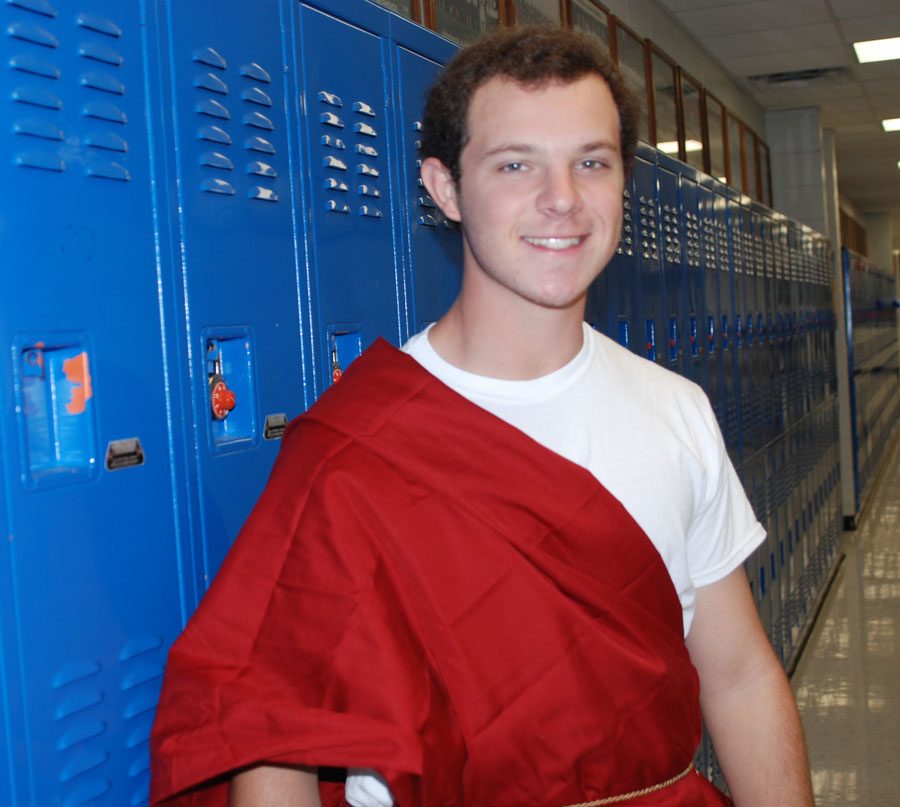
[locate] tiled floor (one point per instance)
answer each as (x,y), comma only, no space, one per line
(847,682)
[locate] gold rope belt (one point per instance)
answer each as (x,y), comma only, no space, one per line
(635,793)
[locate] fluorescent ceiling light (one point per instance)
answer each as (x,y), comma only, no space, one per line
(671,146)
(877,50)
(891,125)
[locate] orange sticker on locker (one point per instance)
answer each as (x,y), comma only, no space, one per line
(78,375)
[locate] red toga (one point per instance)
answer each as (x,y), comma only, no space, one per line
(424,590)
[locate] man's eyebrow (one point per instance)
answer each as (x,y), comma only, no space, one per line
(525,148)
(515,148)
(599,145)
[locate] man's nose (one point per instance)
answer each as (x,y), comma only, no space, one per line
(560,195)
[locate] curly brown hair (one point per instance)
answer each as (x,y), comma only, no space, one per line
(533,57)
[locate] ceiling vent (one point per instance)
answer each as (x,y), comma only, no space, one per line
(801,78)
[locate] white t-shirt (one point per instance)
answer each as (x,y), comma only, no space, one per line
(650,438)
(647,434)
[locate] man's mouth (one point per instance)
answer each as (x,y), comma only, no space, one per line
(554,243)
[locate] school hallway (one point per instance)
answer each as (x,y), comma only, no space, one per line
(847,682)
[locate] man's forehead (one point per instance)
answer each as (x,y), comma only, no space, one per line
(504,97)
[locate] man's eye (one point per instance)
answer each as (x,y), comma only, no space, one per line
(593,165)
(513,167)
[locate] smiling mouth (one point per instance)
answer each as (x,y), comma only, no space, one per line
(554,243)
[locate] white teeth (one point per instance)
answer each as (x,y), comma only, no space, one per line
(554,243)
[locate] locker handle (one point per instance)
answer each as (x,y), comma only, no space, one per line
(126,453)
(275,426)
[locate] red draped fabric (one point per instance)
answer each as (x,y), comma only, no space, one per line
(424,590)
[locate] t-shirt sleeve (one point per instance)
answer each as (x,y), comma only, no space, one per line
(724,530)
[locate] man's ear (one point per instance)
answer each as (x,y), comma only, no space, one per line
(441,187)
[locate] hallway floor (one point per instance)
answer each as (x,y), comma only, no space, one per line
(847,682)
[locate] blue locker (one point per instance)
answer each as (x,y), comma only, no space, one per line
(350,149)
(598,311)
(754,481)
(712,257)
(89,571)
(782,321)
(724,201)
(613,300)
(649,326)
(694,317)
(776,482)
(237,272)
(741,266)
(433,244)
(755,326)
(673,271)
(766,332)
(790,336)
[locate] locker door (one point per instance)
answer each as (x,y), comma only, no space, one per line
(782,323)
(732,326)
(433,242)
(792,346)
(349,149)
(712,341)
(674,344)
(767,334)
(650,325)
(694,315)
(598,306)
(89,589)
(753,383)
(741,266)
(613,301)
(243,344)
(727,322)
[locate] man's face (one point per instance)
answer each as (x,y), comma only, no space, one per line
(540,195)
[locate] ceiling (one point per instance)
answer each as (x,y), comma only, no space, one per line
(762,37)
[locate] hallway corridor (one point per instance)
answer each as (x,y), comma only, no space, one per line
(847,682)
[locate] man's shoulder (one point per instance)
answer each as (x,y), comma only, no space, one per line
(372,391)
(346,436)
(630,370)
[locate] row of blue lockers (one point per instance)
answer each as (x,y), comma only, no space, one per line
(230,211)
(794,487)
(207,206)
(725,291)
(870,297)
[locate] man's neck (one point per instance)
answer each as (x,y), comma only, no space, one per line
(504,346)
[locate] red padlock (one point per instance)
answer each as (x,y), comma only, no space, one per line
(221,399)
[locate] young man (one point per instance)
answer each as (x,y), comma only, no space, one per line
(471,575)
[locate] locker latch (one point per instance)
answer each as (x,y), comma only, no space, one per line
(336,371)
(221,399)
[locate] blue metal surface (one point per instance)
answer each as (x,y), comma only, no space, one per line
(651,322)
(672,241)
(349,139)
(432,243)
(238,281)
(89,573)
(874,364)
